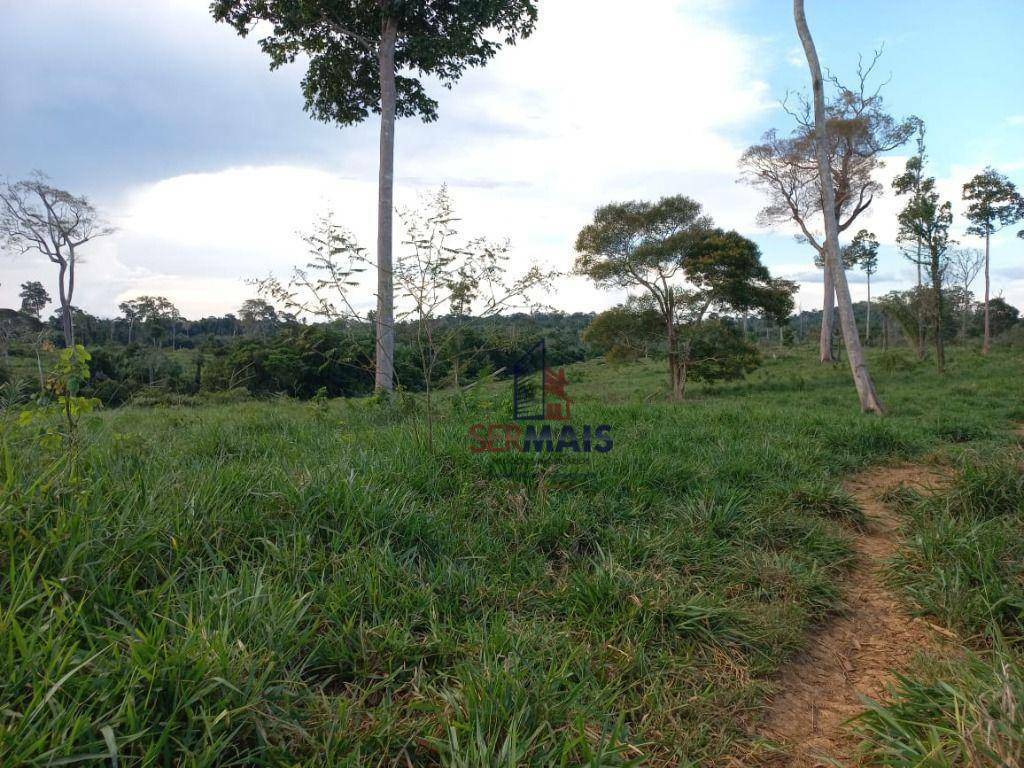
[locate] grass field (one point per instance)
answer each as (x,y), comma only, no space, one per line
(284,583)
(962,564)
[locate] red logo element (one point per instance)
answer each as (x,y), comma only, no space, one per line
(554,387)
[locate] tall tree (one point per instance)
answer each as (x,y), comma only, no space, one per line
(994,204)
(356,48)
(37,216)
(863,252)
(869,400)
(858,131)
(34,298)
(924,225)
(911,182)
(650,247)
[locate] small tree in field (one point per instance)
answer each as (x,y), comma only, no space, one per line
(368,55)
(37,216)
(652,247)
(863,252)
(924,224)
(994,204)
(446,281)
(34,298)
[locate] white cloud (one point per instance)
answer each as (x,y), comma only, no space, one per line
(596,106)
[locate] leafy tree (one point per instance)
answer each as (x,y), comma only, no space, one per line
(911,182)
(625,332)
(34,298)
(257,316)
(869,400)
(907,308)
(858,130)
(34,215)
(1002,316)
(863,252)
(924,224)
(994,204)
(356,48)
(649,247)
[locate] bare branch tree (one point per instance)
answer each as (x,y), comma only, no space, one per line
(34,215)
(830,192)
(964,266)
(858,130)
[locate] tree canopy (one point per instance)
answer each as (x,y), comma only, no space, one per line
(437,39)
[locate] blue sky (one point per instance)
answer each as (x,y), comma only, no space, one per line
(208,165)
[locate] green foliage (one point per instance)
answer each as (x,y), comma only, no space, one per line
(863,252)
(34,298)
(625,332)
(649,247)
(61,400)
(341,41)
(716,351)
(1002,317)
(994,202)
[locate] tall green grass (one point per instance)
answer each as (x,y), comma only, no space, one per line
(963,565)
(279,583)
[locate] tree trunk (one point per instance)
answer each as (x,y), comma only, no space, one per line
(65,307)
(858,366)
(867,333)
(920,310)
(673,361)
(987,339)
(828,317)
(385,367)
(936,276)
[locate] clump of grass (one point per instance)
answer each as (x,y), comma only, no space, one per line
(962,563)
(828,501)
(967,713)
(962,430)
(987,489)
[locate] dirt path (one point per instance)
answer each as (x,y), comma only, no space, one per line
(856,654)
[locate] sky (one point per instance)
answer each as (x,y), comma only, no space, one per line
(209,168)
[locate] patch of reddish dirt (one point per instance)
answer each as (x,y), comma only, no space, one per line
(854,657)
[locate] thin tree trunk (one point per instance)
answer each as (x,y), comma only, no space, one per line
(920,310)
(64,294)
(858,366)
(867,333)
(936,277)
(673,362)
(385,368)
(986,342)
(828,317)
